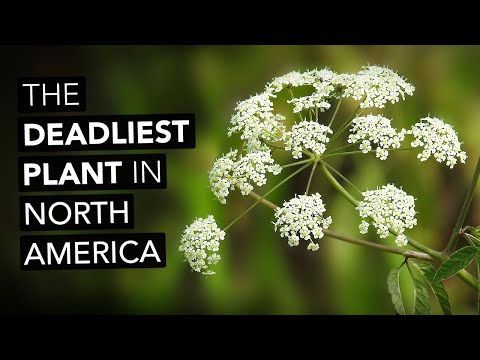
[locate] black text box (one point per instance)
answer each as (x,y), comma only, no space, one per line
(76,212)
(64,252)
(106,132)
(76,172)
(51,94)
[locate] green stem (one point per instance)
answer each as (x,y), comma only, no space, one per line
(372,245)
(338,186)
(346,123)
(336,111)
(297,163)
(341,176)
(268,193)
(361,152)
(351,240)
(293,97)
(339,148)
(316,113)
(271,144)
(452,243)
(241,149)
(355,203)
(311,176)
(462,274)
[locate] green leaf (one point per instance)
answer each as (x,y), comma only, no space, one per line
(393,283)
(456,262)
(478,275)
(421,304)
(477,245)
(476,232)
(428,272)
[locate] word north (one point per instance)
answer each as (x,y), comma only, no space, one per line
(92,251)
(92,172)
(76,212)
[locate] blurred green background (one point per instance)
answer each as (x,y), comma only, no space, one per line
(259,272)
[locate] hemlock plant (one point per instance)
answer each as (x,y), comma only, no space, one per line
(304,219)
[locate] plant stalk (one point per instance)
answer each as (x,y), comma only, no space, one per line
(452,243)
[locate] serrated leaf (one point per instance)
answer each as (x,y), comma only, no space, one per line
(393,283)
(428,272)
(478,270)
(476,232)
(478,275)
(456,262)
(421,303)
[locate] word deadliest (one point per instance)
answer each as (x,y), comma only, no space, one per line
(92,251)
(94,172)
(107,132)
(76,212)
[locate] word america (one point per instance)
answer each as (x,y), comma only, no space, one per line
(93,251)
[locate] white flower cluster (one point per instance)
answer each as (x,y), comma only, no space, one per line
(227,172)
(302,218)
(439,139)
(296,79)
(376,85)
(253,167)
(316,100)
(255,120)
(377,130)
(389,208)
(308,135)
(220,177)
(200,243)
(321,81)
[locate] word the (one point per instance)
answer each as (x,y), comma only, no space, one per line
(50,94)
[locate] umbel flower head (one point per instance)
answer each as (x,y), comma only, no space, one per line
(227,172)
(376,85)
(221,181)
(308,135)
(377,130)
(302,218)
(200,243)
(254,120)
(437,139)
(389,208)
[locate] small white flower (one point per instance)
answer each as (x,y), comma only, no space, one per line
(389,208)
(401,240)
(375,129)
(308,135)
(363,227)
(302,218)
(376,85)
(200,243)
(438,139)
(255,120)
